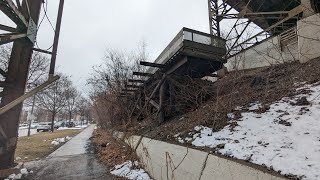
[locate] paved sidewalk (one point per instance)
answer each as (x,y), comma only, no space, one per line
(72,161)
(76,145)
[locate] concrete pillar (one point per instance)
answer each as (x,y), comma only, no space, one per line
(308,30)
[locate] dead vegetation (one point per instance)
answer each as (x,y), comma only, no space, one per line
(191,102)
(237,89)
(111,151)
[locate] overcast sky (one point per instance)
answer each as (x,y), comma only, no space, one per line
(91,26)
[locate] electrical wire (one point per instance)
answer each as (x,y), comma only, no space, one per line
(45,15)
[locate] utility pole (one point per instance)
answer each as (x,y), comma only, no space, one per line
(56,39)
(15,85)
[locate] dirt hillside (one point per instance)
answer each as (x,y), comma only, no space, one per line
(239,88)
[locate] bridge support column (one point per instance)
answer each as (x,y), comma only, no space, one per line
(16,79)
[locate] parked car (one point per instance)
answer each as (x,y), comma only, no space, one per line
(58,124)
(23,126)
(70,124)
(34,125)
(44,126)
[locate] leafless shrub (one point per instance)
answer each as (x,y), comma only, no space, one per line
(107,82)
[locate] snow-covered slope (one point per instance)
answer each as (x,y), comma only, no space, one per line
(285,138)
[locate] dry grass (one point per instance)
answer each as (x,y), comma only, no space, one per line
(111,151)
(39,145)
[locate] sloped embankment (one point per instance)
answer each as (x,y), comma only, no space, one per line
(267,116)
(284,138)
(237,89)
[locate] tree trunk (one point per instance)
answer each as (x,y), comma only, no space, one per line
(52,121)
(70,117)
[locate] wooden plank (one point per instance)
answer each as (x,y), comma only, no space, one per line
(27,95)
(156,105)
(136,81)
(129,90)
(133,86)
(143,63)
(152,94)
(142,74)
(177,66)
(161,104)
(172,98)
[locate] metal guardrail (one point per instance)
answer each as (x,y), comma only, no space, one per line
(187,35)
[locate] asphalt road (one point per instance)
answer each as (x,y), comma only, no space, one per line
(73,161)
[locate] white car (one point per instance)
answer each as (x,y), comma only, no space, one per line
(34,125)
(23,126)
(44,126)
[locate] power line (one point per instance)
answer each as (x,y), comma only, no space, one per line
(45,15)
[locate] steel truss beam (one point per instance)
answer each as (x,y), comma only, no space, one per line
(7,28)
(241,35)
(7,38)
(13,12)
(10,9)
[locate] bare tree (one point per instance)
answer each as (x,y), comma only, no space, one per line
(109,79)
(53,99)
(5,52)
(38,71)
(83,108)
(38,67)
(72,96)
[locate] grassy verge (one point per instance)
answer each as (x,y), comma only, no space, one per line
(39,145)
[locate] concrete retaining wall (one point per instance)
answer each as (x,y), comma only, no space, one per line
(304,46)
(264,54)
(309,38)
(166,161)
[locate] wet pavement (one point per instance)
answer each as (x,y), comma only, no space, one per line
(73,161)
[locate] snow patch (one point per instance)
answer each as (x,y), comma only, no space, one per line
(23,173)
(230,116)
(180,140)
(58,141)
(73,128)
(82,126)
(286,138)
(255,106)
(126,170)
